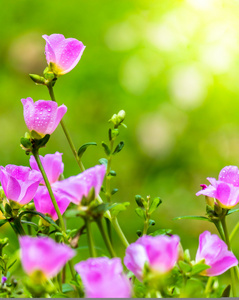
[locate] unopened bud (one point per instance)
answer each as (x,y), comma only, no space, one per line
(37,79)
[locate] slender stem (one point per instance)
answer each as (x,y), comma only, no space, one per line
(108,177)
(105,237)
(48,186)
(224,226)
(82,168)
(73,149)
(90,238)
(119,231)
(220,229)
(234,231)
(208,287)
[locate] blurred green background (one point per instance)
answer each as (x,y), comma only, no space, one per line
(173,66)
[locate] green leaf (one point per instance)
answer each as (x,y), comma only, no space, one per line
(42,142)
(139,233)
(11,264)
(106,148)
(161,232)
(72,213)
(184,266)
(154,204)
(119,147)
(151,222)
(112,173)
(84,147)
(193,218)
(114,191)
(48,219)
(140,212)
(8,209)
(101,208)
(66,287)
(226,292)
(231,211)
(30,224)
(198,268)
(118,207)
(60,295)
(103,161)
(26,143)
(2,222)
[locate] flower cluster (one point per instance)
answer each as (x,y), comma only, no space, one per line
(156,264)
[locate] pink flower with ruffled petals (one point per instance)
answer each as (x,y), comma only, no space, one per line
(64,54)
(19,183)
(43,116)
(52,164)
(160,252)
(43,254)
(44,204)
(225,189)
(103,277)
(216,254)
(76,187)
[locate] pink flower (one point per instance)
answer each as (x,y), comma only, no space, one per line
(52,164)
(76,187)
(44,204)
(160,252)
(63,53)
(225,189)
(42,116)
(19,183)
(216,254)
(43,254)
(103,278)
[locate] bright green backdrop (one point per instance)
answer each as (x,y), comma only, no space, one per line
(173,66)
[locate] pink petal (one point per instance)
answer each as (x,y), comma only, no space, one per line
(102,278)
(52,48)
(43,254)
(70,55)
(222,265)
(28,110)
(43,202)
(135,259)
(229,174)
(209,191)
(61,110)
(52,164)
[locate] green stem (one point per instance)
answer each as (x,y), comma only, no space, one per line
(72,146)
(220,229)
(224,226)
(208,287)
(90,238)
(82,168)
(119,231)
(48,186)
(105,237)
(234,231)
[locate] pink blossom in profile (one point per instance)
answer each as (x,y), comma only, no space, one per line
(19,183)
(43,254)
(159,252)
(64,54)
(225,189)
(43,202)
(215,253)
(42,116)
(52,164)
(103,277)
(76,187)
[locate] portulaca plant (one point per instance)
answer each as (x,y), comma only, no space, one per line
(40,198)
